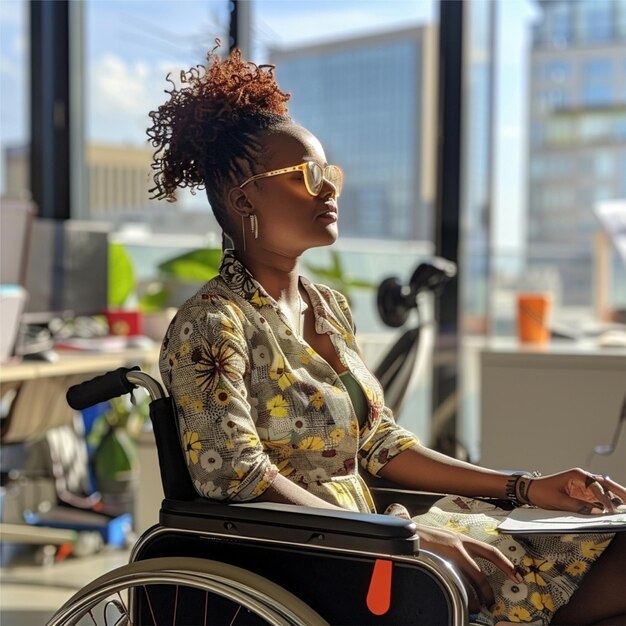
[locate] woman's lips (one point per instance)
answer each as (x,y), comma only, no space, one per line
(331,211)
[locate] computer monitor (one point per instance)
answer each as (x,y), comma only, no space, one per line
(16,218)
(66,270)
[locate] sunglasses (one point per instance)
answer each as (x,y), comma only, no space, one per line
(314,176)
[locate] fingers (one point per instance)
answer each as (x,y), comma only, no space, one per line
(600,495)
(568,503)
(490,553)
(477,578)
(614,489)
(475,549)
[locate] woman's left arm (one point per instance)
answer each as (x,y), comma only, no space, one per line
(573,490)
(419,467)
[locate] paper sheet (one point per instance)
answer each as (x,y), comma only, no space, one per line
(533,520)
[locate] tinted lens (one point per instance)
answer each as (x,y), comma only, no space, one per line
(314,177)
(334,175)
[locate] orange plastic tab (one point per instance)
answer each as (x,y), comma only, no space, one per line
(379,593)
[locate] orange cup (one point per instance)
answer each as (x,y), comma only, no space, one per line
(533,317)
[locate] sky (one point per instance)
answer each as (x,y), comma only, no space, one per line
(130,45)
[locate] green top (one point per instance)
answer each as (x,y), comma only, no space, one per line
(355,391)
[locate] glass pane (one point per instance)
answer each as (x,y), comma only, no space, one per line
(363,79)
(14,101)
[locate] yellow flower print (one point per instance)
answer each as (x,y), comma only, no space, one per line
(259,300)
(317,400)
(230,328)
(277,406)
(253,440)
(455,526)
(235,482)
(492,530)
(311,443)
(536,568)
(519,614)
(229,444)
(280,373)
(542,601)
(197,406)
(261,486)
(499,608)
(592,550)
(285,468)
(366,447)
(191,445)
(354,428)
(307,356)
(577,568)
(185,349)
(185,401)
(282,446)
(337,435)
(342,495)
(222,397)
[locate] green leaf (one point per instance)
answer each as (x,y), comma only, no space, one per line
(154,299)
(197,265)
(121,280)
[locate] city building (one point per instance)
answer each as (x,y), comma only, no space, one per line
(118,178)
(577,134)
(371,102)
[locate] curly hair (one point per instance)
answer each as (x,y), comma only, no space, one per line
(207,133)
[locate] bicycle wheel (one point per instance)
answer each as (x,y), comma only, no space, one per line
(179,591)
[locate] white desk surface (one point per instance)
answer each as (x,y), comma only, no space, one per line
(575,353)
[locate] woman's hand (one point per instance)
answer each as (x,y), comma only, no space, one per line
(461,551)
(578,491)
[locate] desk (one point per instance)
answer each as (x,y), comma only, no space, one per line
(546,409)
(41,386)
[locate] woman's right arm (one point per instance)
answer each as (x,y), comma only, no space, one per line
(285,491)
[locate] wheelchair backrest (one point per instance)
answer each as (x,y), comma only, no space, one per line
(175,476)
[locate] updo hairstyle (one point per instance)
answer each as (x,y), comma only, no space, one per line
(207,133)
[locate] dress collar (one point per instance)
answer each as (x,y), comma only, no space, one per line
(240,280)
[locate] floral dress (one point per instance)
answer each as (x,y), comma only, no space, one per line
(255,400)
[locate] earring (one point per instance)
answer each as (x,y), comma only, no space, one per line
(243,233)
(254,225)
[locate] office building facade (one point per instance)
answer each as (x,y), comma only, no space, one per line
(371,102)
(118,178)
(577,134)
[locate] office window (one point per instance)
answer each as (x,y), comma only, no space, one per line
(129,50)
(595,21)
(558,71)
(597,82)
(14,100)
(560,23)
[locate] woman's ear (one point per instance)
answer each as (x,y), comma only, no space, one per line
(239,202)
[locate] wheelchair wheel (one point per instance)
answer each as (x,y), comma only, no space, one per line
(181,591)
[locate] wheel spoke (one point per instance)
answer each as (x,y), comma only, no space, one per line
(235,616)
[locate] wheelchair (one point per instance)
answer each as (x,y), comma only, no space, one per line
(208,562)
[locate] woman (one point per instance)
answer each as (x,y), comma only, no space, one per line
(275,403)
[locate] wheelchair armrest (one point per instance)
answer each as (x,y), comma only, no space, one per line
(294,524)
(416,502)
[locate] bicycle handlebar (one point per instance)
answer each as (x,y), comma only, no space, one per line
(100,389)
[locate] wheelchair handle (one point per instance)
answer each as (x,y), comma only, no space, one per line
(101,388)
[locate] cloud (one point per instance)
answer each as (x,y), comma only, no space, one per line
(120,95)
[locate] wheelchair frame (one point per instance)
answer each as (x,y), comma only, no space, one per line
(371,565)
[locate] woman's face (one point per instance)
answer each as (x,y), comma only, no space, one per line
(290,219)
